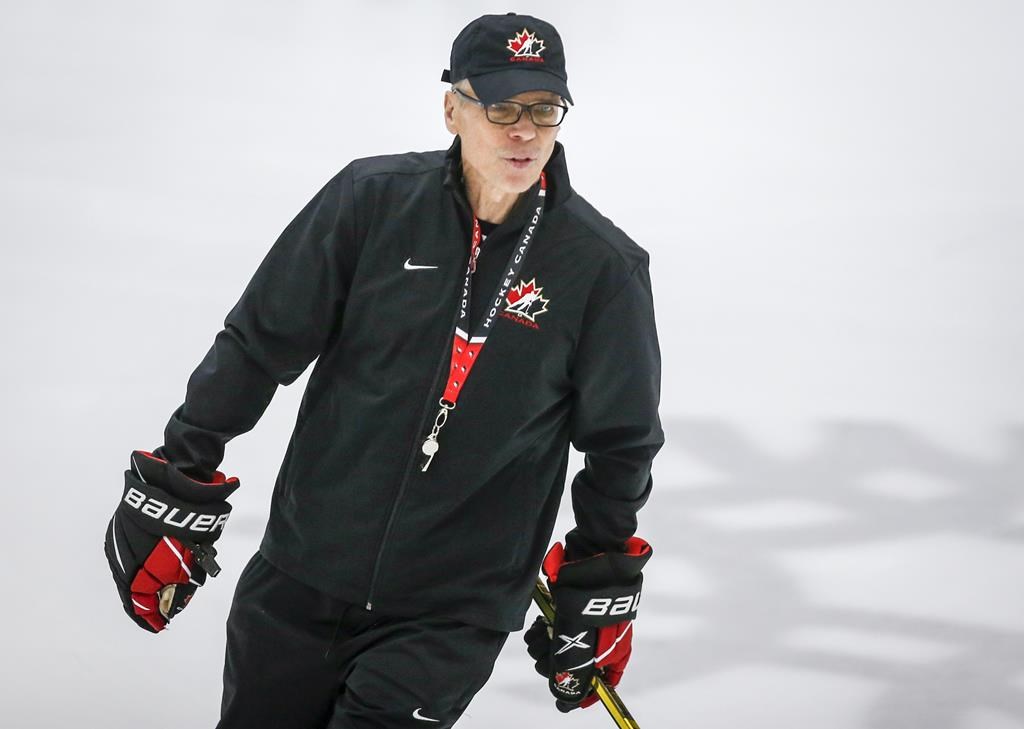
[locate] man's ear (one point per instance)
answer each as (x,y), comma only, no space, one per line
(449,112)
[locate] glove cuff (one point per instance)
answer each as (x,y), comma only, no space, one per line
(597,607)
(600,570)
(162,501)
(156,471)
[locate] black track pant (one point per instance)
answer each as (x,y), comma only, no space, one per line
(300,659)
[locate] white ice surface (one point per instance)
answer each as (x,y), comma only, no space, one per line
(832,195)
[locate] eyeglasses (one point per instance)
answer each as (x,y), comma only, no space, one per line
(542,113)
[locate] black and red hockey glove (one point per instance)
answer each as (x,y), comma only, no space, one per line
(159,543)
(595,601)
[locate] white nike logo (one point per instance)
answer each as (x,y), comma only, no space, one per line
(416,714)
(409,267)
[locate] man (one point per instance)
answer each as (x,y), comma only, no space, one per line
(471,315)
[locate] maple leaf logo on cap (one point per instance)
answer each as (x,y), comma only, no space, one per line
(525,44)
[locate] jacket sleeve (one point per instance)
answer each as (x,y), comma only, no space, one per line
(279,325)
(615,423)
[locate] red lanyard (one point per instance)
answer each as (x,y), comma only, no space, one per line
(465,348)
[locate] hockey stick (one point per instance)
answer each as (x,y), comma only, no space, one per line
(619,713)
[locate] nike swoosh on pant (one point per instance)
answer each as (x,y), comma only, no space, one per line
(417,715)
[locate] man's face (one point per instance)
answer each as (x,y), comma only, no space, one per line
(508,157)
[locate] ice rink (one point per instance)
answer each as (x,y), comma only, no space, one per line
(832,195)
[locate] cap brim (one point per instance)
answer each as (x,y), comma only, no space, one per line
(504,84)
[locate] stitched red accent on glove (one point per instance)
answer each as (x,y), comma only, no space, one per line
(169,563)
(614,647)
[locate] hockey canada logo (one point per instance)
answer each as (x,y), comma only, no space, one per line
(524,303)
(566,683)
(525,46)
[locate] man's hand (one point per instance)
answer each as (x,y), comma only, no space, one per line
(159,543)
(596,600)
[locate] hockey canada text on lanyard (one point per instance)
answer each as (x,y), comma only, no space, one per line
(465,348)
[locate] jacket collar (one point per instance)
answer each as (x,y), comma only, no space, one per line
(555,170)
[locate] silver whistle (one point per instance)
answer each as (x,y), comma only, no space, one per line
(430,447)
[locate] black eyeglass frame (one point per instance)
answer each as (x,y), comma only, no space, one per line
(522,106)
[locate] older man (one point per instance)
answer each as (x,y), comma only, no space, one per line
(472,315)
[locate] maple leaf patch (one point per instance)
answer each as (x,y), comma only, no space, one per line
(525,44)
(525,300)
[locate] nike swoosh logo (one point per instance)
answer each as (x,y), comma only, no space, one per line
(409,266)
(416,714)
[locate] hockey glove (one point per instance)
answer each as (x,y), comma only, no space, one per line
(159,543)
(595,601)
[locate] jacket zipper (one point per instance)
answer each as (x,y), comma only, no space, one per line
(445,353)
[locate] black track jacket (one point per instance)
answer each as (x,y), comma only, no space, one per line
(352,513)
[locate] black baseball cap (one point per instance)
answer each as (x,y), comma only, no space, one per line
(505,55)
